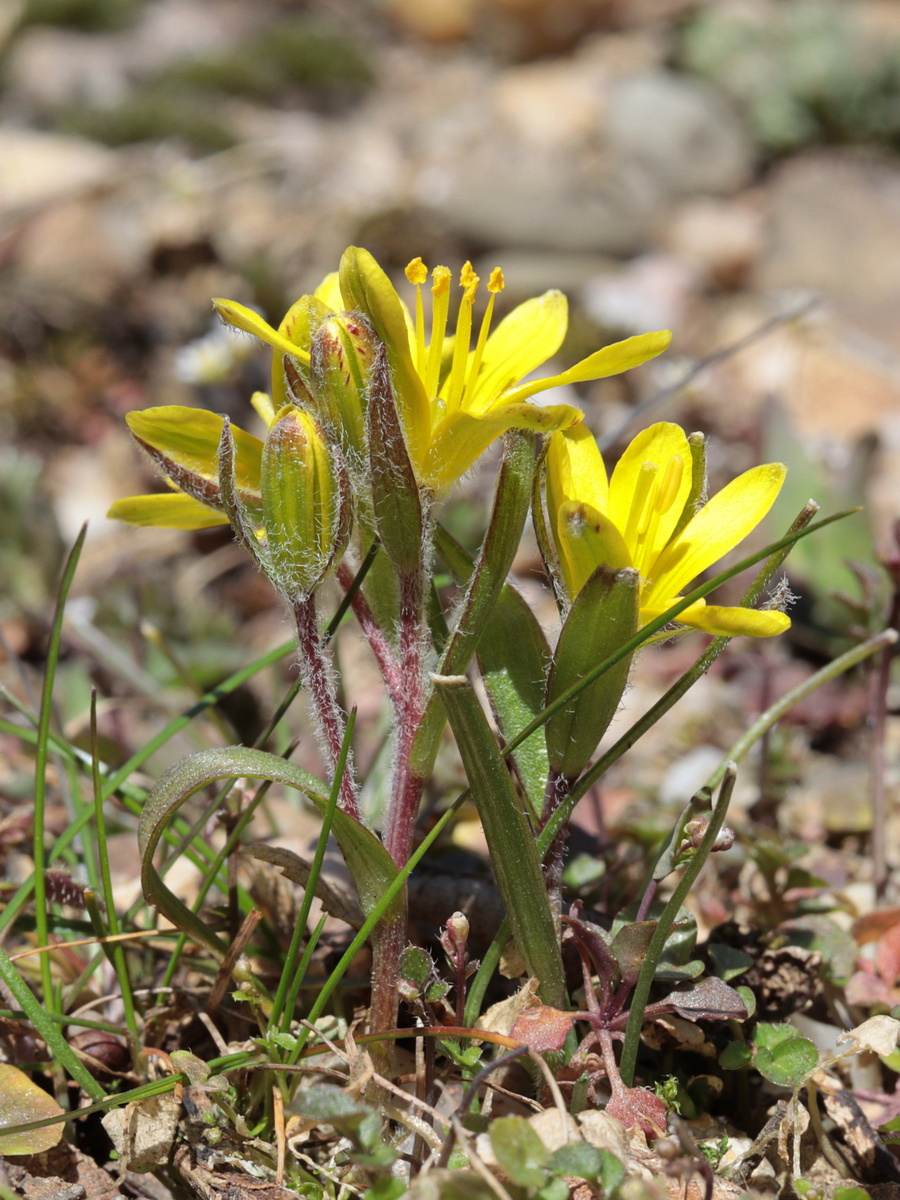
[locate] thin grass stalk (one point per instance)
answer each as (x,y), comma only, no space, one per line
(299,976)
(665,924)
(41,760)
(47,1027)
(119,961)
(289,970)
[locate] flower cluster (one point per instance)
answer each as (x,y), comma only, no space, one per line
(353,351)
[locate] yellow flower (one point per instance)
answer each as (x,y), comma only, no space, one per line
(640,518)
(454,398)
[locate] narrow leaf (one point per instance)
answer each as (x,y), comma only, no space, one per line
(369,864)
(511,843)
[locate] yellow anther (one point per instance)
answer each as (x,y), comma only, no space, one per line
(416,272)
(496,281)
(669,484)
(440,280)
(467,276)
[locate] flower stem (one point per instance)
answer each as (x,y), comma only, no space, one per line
(320,681)
(408,783)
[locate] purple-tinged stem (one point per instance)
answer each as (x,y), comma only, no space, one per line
(376,637)
(408,785)
(320,681)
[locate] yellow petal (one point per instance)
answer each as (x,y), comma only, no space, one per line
(611,360)
(168,510)
(461,438)
(727,622)
(365,287)
(530,335)
(717,528)
(191,437)
(242,317)
(575,469)
(646,506)
(585,540)
(329,292)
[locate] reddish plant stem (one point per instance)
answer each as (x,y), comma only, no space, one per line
(320,681)
(408,785)
(375,636)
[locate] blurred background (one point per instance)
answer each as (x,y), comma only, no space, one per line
(726,169)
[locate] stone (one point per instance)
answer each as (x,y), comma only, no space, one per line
(40,167)
(684,132)
(833,226)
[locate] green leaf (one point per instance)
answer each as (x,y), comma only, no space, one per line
(735,1056)
(629,948)
(520,1152)
(612,1173)
(579,1159)
(749,998)
(783,1056)
(819,933)
(511,843)
(370,866)
(395,492)
(513,656)
(603,617)
(501,542)
(22,1100)
(728,962)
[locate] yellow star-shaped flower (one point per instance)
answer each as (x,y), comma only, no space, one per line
(639,518)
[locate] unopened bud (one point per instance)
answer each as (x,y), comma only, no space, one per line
(305,504)
(455,936)
(343,350)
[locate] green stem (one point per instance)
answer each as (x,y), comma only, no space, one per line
(41,758)
(664,928)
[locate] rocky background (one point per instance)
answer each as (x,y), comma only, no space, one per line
(726,169)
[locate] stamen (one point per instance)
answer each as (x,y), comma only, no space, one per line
(469,281)
(417,273)
(669,484)
(641,503)
(495,285)
(440,290)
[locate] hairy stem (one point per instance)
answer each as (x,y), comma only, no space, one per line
(376,637)
(320,681)
(408,783)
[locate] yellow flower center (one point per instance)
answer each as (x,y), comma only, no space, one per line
(464,368)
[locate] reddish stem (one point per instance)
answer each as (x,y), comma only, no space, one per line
(320,681)
(375,636)
(408,786)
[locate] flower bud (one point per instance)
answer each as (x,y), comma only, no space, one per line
(343,350)
(305,504)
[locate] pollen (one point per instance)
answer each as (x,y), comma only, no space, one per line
(440,280)
(496,282)
(416,272)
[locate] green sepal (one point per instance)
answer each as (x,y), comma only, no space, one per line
(694,502)
(242,523)
(371,867)
(395,493)
(509,837)
(603,617)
